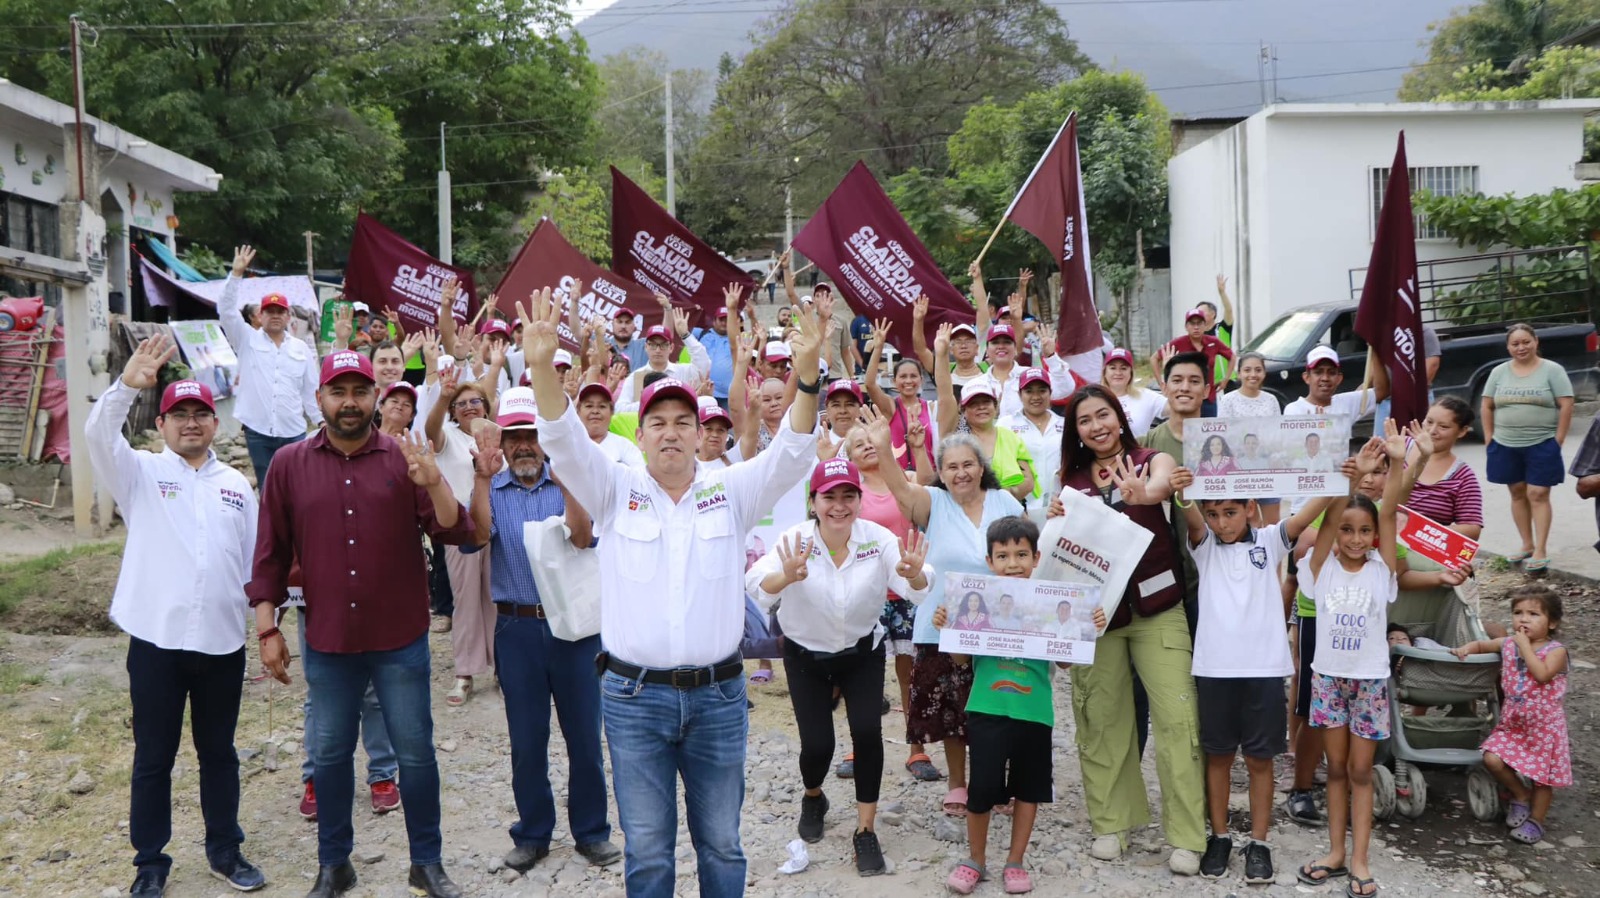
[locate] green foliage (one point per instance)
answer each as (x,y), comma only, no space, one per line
(1497,32)
(576,200)
(1557,73)
(204,260)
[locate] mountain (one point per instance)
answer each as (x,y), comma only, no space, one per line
(1200,55)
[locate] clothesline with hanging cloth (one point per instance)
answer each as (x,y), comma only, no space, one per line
(182,269)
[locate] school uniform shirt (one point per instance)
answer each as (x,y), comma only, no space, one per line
(191,533)
(835,606)
(671,582)
(1045,447)
(1353,618)
(277,391)
(1240,627)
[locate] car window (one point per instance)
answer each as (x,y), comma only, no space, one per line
(1284,338)
(1343,337)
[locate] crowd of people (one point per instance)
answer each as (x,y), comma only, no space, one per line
(436,460)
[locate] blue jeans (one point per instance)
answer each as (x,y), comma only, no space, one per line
(262,448)
(534,667)
(374,734)
(657,734)
(337,683)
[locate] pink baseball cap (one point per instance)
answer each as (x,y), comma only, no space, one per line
(1322,355)
(1002,332)
(843,385)
(186,391)
(600,388)
(275,301)
(1120,355)
(345,361)
(658,332)
(1031,376)
(495,326)
(721,312)
(834,472)
(1194,313)
(709,413)
(398,385)
(777,350)
(666,388)
(975,389)
(518,410)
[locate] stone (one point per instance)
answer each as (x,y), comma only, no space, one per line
(509,875)
(1576,663)
(448,745)
(8,496)
(368,855)
(1532,888)
(248,754)
(1509,873)
(290,747)
(948,830)
(496,864)
(111,892)
(81,783)
(1573,841)
(890,818)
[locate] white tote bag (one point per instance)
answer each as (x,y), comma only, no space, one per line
(568,578)
(1091,544)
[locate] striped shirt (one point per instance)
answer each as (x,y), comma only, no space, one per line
(510,506)
(1456,499)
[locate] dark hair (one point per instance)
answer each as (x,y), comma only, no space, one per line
(1209,503)
(1012,529)
(983,607)
(248,311)
(1207,304)
(1362,503)
(1525,327)
(654,376)
(1205,451)
(1197,359)
(1398,628)
(907,360)
(1549,601)
(990,481)
(1075,456)
(1458,407)
(388,344)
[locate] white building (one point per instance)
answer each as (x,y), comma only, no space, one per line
(1284,203)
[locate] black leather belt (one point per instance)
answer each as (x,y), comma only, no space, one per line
(512,609)
(677,678)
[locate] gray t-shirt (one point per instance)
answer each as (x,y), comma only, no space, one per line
(1526,411)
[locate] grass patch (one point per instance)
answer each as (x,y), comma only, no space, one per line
(63,592)
(14,678)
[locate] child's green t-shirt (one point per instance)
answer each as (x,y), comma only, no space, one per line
(1018,688)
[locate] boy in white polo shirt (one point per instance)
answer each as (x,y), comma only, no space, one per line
(1240,661)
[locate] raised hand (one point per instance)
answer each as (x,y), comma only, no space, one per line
(539,337)
(1394,441)
(916,434)
(808,342)
(878,430)
(344,324)
(1047,338)
(242,257)
(571,381)
(665,302)
(825,308)
(979,293)
(732,295)
(411,345)
(615,375)
(1422,438)
(429,339)
(794,553)
(421,466)
(449,380)
(919,310)
(1133,484)
(703,387)
(1181,478)
(143,370)
(487,458)
(1370,456)
(941,343)
(827,446)
(1024,278)
(680,321)
(447,298)
(1222,284)
(913,552)
(880,334)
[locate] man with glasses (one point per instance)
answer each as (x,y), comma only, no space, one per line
(180,598)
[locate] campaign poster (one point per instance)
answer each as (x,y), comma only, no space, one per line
(1290,457)
(1010,617)
(1436,542)
(208,354)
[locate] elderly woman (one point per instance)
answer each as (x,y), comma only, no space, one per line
(828,577)
(1527,408)
(955,513)
(1148,634)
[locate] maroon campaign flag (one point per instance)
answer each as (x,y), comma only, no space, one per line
(656,250)
(548,260)
(860,239)
(387,272)
(1050,207)
(1389,317)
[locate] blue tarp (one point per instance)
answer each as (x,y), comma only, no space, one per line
(171,260)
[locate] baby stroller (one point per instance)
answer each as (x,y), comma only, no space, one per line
(1461,698)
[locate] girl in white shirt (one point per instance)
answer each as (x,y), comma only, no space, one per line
(829,576)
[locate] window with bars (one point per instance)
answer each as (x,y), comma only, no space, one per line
(1441,180)
(34,227)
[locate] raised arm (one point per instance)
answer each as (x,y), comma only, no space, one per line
(486,462)
(1227,304)
(1394,493)
(880,335)
(234,327)
(739,387)
(434,426)
(949,409)
(115,461)
(913,498)
(807,347)
(919,339)
(447,314)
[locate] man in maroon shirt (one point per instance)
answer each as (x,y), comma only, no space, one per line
(1195,339)
(341,502)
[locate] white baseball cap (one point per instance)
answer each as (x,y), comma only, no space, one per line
(1321,354)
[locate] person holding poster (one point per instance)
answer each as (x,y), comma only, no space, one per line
(1447,490)
(828,577)
(1148,633)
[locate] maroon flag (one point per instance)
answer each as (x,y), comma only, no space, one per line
(655,249)
(859,238)
(548,260)
(1390,317)
(388,272)
(1050,207)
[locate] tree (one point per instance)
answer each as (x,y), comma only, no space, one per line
(631,121)
(1557,73)
(1498,32)
(577,203)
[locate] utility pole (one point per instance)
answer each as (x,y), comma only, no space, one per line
(311,268)
(672,188)
(446,250)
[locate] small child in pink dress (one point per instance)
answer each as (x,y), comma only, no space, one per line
(1531,738)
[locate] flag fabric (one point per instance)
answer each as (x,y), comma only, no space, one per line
(388,272)
(548,260)
(1050,207)
(1389,317)
(656,250)
(861,241)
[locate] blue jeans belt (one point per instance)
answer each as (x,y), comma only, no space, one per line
(677,678)
(512,609)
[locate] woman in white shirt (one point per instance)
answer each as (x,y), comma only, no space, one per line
(828,577)
(1250,401)
(1140,406)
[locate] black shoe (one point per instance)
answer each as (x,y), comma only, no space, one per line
(237,872)
(1214,863)
(333,881)
(1258,863)
(522,857)
(869,854)
(812,810)
(1303,809)
(432,881)
(886,706)
(601,853)
(149,882)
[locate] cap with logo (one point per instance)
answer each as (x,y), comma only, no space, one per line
(400,386)
(596,389)
(562,359)
(777,350)
(186,391)
(1031,376)
(1002,332)
(495,326)
(518,410)
(658,332)
(1194,313)
(964,328)
(360,307)
(1120,355)
(714,412)
(338,364)
(975,389)
(834,472)
(666,388)
(843,386)
(275,301)
(1321,355)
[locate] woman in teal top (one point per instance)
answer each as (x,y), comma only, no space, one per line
(1527,408)
(956,512)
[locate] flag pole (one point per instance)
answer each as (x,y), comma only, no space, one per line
(985,250)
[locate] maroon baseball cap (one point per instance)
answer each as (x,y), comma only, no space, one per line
(843,385)
(1031,376)
(600,388)
(186,391)
(1194,313)
(1002,332)
(495,326)
(345,361)
(275,301)
(834,472)
(658,332)
(721,312)
(1120,355)
(711,413)
(396,387)
(666,388)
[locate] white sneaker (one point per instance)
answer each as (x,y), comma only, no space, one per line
(1110,847)
(1184,862)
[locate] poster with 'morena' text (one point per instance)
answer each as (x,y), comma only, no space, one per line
(1293,456)
(1010,617)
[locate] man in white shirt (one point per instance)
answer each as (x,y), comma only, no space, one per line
(1323,376)
(671,542)
(180,598)
(658,346)
(278,373)
(1069,627)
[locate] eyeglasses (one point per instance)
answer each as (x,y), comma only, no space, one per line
(196,417)
(468,403)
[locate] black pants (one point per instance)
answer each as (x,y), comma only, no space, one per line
(859,677)
(160,682)
(441,598)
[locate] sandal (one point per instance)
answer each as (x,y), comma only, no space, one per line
(1535,565)
(955,803)
(761,676)
(1017,880)
(1357,888)
(965,878)
(458,696)
(847,768)
(1308,874)
(1519,557)
(921,768)
(1517,813)
(1529,833)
